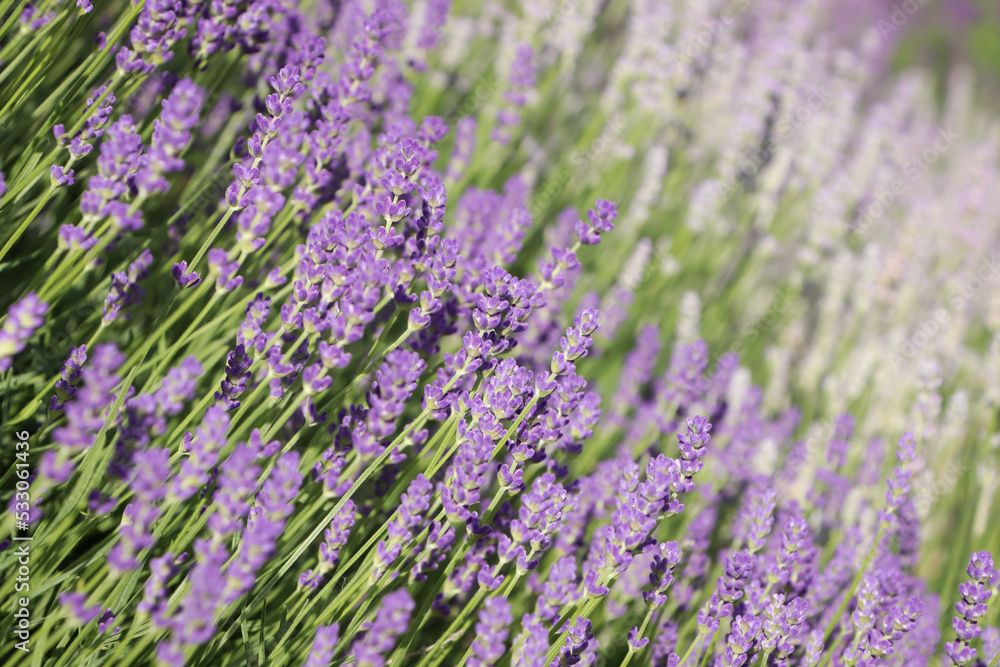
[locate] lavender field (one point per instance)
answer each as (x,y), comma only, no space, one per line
(473,333)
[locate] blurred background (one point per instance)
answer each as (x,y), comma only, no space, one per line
(938,35)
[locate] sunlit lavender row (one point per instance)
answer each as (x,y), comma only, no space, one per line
(470,334)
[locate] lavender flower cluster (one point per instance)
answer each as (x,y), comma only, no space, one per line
(376,333)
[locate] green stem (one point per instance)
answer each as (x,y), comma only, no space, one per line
(24,225)
(554,648)
(469,607)
(687,654)
(91,457)
(642,630)
(708,649)
(835,621)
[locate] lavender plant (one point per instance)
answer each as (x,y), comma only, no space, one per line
(371,332)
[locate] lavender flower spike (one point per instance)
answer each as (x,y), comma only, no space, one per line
(972,607)
(491,632)
(183,277)
(321,653)
(391,620)
(23,318)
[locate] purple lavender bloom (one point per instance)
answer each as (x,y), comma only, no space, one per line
(334,539)
(321,653)
(225,271)
(78,608)
(61,176)
(560,587)
(636,372)
(154,598)
(972,607)
(467,474)
(538,519)
(264,525)
(792,565)
(661,574)
(693,445)
(739,565)
(760,520)
(236,482)
(183,277)
(106,621)
(66,385)
(466,575)
(579,639)
(641,505)
(899,481)
(125,290)
(23,319)
(80,144)
(531,645)
(404,527)
(780,623)
(150,467)
(203,450)
(664,644)
(150,42)
(434,17)
(193,622)
(171,135)
(629,531)
(221,26)
(897,622)
(599,221)
(146,415)
(120,159)
(391,620)
(429,554)
(395,382)
(814,648)
(237,375)
(635,642)
(491,632)
(85,412)
(101,503)
(32,20)
(522,80)
(254,221)
(265,145)
(863,618)
(575,344)
(250,335)
(178,387)
(741,641)
(75,238)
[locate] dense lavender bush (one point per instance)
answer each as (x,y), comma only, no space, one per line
(457,333)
